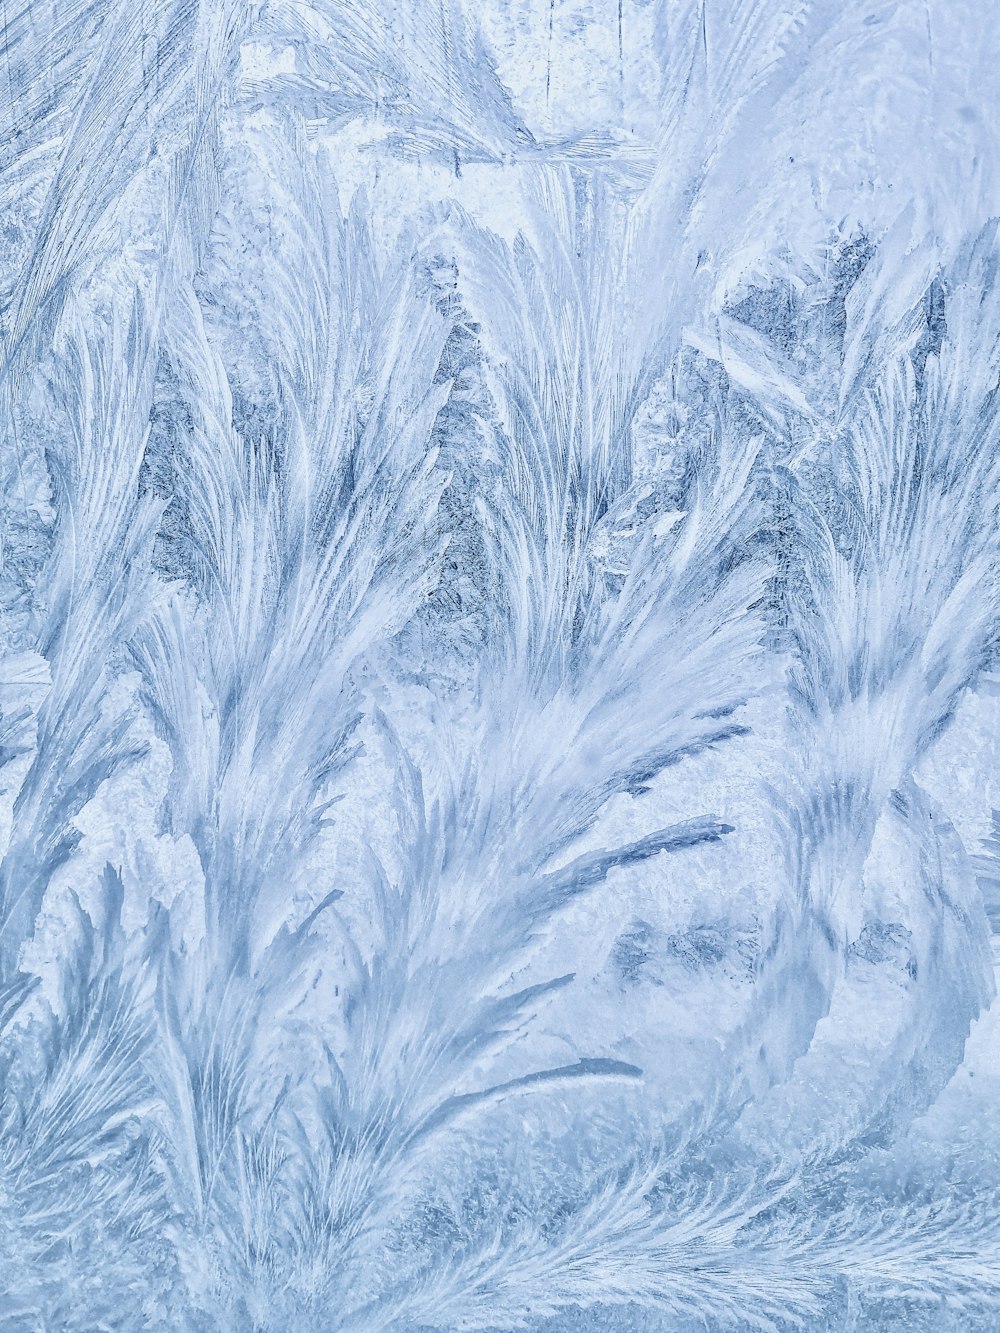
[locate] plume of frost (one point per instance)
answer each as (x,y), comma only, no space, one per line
(102,370)
(76,158)
(897,513)
(102,547)
(307,538)
(602,667)
(111,153)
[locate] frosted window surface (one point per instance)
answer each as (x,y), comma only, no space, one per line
(499,666)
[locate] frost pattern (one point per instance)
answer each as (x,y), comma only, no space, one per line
(499,728)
